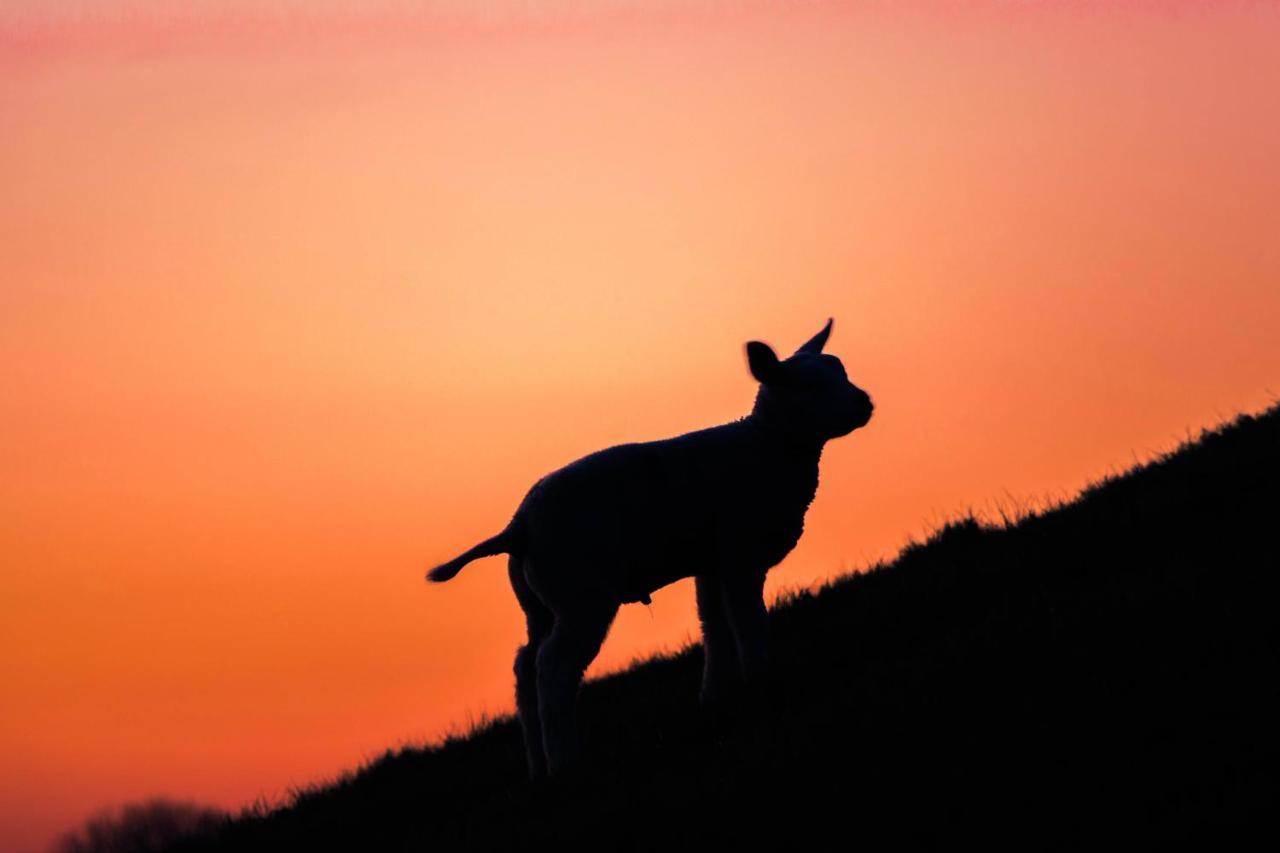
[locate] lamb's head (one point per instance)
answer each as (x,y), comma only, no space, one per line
(808,395)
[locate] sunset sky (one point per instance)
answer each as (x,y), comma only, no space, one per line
(298,299)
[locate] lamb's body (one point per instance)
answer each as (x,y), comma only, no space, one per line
(723,505)
(623,522)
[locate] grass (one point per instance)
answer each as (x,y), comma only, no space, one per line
(1101,672)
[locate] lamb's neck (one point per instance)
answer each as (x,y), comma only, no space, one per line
(781,443)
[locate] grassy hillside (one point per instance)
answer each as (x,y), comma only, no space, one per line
(1103,672)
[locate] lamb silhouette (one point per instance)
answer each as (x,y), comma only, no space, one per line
(723,505)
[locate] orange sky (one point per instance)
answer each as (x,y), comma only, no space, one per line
(296,303)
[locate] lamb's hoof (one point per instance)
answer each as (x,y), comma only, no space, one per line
(564,767)
(718,711)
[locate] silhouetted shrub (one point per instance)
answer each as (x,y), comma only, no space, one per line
(140,827)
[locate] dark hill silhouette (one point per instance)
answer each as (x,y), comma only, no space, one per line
(1101,673)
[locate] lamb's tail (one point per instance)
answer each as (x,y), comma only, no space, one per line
(503,543)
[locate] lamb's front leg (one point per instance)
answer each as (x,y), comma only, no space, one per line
(743,591)
(721,671)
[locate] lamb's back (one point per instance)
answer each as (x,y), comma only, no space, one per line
(633,516)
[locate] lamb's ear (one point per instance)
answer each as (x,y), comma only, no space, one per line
(815,344)
(762,360)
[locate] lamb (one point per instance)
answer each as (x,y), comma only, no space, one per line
(723,505)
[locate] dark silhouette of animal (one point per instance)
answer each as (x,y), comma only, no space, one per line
(723,505)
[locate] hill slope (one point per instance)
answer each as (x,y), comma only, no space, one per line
(1102,672)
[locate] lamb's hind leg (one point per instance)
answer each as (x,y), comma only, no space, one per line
(563,658)
(539,620)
